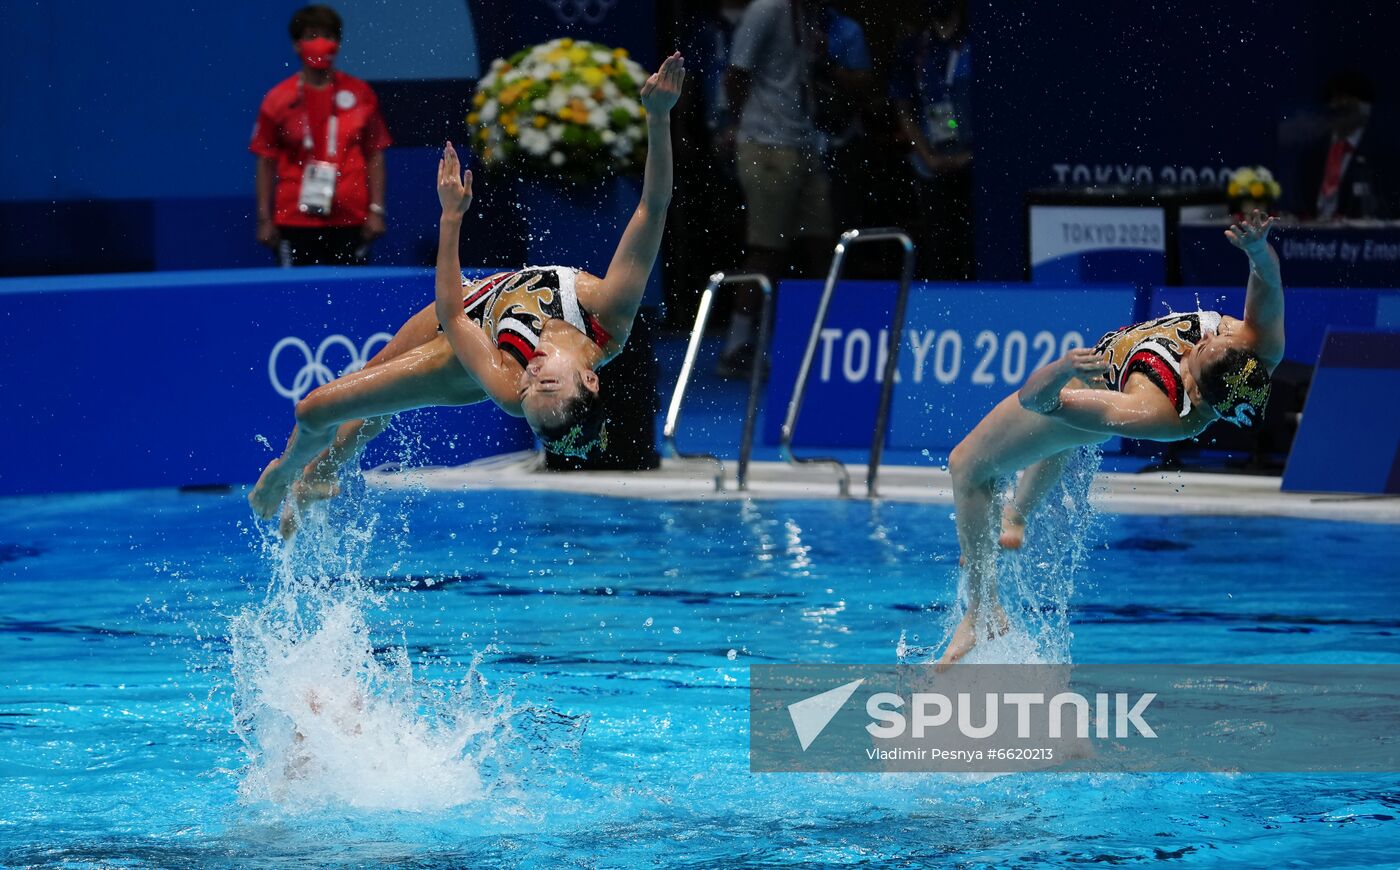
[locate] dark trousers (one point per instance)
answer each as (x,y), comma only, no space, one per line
(945,226)
(321,246)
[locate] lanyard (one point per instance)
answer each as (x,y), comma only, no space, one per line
(950,72)
(332,125)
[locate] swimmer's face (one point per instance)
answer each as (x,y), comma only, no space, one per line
(1209,350)
(551,380)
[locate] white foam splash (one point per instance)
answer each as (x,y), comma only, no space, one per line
(327,721)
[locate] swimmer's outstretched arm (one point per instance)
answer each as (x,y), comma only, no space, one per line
(1263,301)
(1103,412)
(473,348)
(621,292)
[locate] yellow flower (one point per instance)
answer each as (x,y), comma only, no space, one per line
(1256,189)
(555,55)
(487,155)
(541,121)
(592,76)
(578,54)
(566,42)
(512,130)
(555,75)
(1234,189)
(479,100)
(482,134)
(473,118)
(619,52)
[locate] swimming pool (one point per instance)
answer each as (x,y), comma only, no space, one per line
(579,686)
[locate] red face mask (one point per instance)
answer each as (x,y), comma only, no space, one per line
(318,53)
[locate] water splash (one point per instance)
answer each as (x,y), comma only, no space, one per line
(330,717)
(1036,583)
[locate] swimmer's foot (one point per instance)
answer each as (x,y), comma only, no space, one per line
(965,636)
(1013,528)
(305,492)
(270,489)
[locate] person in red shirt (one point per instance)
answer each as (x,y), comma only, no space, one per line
(320,144)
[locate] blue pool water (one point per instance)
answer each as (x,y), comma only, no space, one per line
(533,679)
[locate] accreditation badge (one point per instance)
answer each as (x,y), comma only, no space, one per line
(317,188)
(940,122)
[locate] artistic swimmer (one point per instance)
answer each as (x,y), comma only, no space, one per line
(1162,380)
(530,341)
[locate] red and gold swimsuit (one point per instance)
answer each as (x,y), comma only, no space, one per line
(1155,348)
(513,306)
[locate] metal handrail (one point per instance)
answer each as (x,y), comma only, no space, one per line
(877,446)
(697,333)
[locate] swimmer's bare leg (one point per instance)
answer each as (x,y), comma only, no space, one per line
(417,332)
(425,376)
(975,506)
(320,480)
(1036,481)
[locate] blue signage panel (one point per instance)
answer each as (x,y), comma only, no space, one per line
(1091,244)
(1311,255)
(964,348)
(1349,437)
(1308,312)
(177,378)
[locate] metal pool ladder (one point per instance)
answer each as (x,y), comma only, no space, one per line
(882,417)
(697,333)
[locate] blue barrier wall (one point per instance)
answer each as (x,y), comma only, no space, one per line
(1349,438)
(965,348)
(1308,312)
(180,378)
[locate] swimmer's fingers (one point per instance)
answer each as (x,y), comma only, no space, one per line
(1084,360)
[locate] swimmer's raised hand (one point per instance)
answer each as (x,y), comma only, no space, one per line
(1251,235)
(453,186)
(663,88)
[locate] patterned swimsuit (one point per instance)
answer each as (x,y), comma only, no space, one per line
(1155,349)
(512,308)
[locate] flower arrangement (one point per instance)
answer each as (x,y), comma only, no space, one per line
(564,108)
(1253,183)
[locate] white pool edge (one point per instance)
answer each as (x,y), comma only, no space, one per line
(1170,492)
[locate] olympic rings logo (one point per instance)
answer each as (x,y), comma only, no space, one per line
(587,11)
(314,372)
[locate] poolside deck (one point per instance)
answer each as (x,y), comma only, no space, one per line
(1114,492)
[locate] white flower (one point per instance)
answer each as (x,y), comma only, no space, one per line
(556,158)
(557,99)
(537,104)
(579,91)
(598,118)
(488,111)
(534,141)
(555,131)
(609,137)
